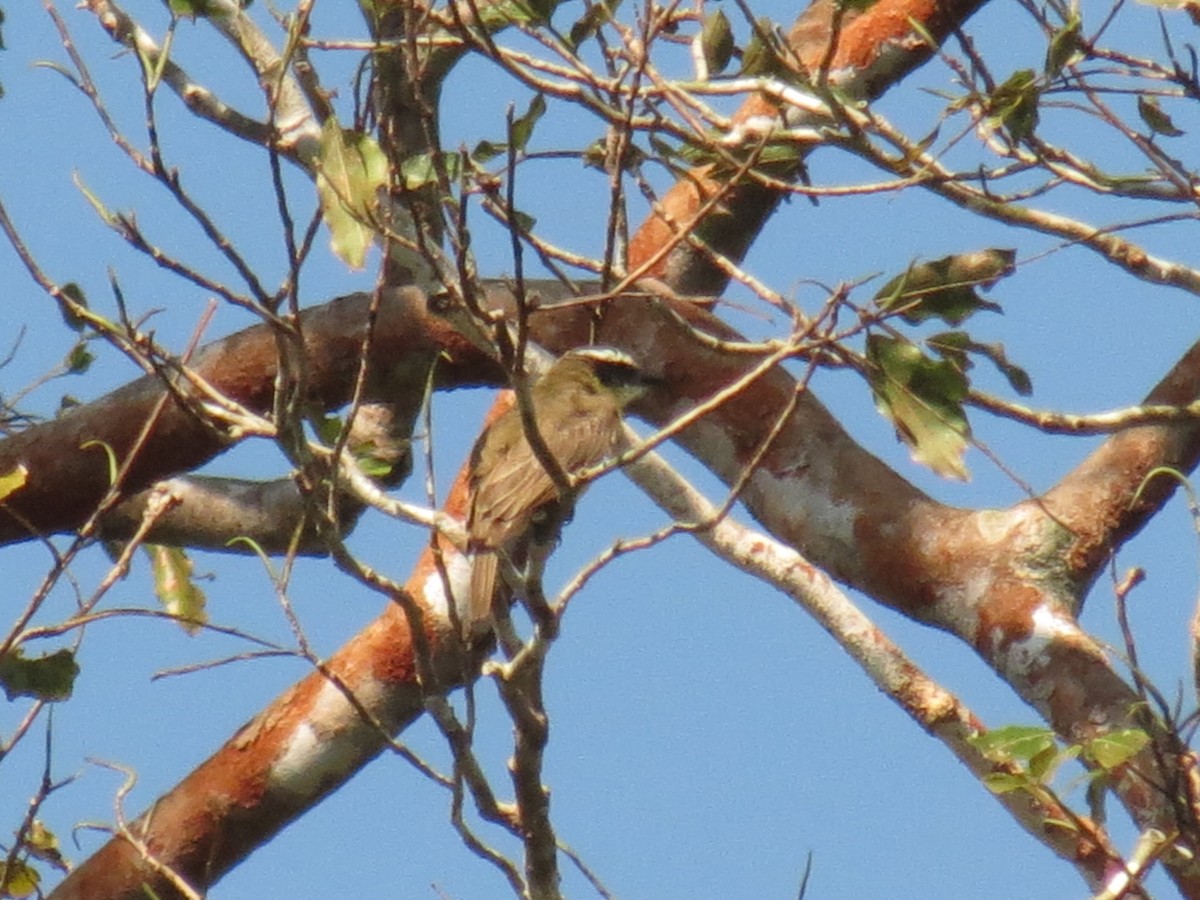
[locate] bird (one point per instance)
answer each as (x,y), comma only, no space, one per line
(577,405)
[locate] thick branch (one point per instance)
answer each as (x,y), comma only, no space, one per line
(207,512)
(66,482)
(1097,500)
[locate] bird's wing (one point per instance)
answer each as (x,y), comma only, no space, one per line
(511,483)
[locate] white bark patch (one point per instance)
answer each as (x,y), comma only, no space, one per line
(1023,658)
(896,55)
(994,524)
(324,747)
(751,130)
(433,589)
(957,605)
(796,496)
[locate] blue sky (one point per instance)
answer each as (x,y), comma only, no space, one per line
(706,735)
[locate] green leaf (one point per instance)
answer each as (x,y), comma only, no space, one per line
(1046,762)
(763,54)
(1156,120)
(328,428)
(596,16)
(1043,763)
(486,151)
(374,467)
(110,218)
(697,154)
(716,41)
(20,881)
(351,170)
(923,399)
(541,11)
(510,12)
(13,481)
(191,8)
(80,359)
(945,288)
(522,127)
(175,588)
(523,221)
(1115,748)
(42,843)
(1005,782)
(1014,104)
(154,66)
(1065,45)
(50,677)
(785,154)
(421,169)
(595,154)
(956,345)
(1014,743)
(71,295)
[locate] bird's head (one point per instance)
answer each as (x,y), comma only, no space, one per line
(614,369)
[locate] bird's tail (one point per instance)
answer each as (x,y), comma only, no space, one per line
(484,568)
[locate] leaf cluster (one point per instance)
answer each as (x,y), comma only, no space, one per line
(923,391)
(1031,757)
(49,677)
